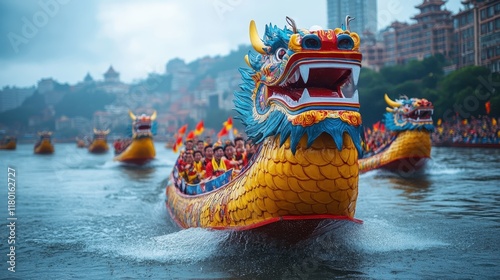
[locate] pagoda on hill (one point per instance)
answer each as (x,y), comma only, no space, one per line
(111,76)
(88,79)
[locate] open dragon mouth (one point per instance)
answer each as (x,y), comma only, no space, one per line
(143,128)
(420,114)
(322,83)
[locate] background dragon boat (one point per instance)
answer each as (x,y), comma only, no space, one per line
(44,144)
(299,104)
(80,143)
(409,145)
(141,149)
(8,143)
(99,143)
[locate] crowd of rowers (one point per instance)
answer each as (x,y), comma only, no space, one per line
(376,141)
(204,161)
(121,144)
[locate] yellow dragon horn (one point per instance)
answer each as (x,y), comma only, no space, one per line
(95,131)
(391,103)
(153,116)
(390,110)
(132,116)
(255,39)
(247,60)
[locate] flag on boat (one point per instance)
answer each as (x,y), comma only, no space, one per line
(200,127)
(182,130)
(191,135)
(177,144)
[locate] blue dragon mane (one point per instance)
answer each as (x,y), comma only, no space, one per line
(393,125)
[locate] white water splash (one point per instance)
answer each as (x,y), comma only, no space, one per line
(190,245)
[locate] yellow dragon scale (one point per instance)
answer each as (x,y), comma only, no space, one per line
(278,184)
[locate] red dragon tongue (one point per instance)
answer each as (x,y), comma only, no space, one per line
(322,92)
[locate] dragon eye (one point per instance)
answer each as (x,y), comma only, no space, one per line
(279,54)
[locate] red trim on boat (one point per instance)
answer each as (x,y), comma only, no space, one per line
(273,220)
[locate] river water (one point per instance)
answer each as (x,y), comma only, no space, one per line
(83,216)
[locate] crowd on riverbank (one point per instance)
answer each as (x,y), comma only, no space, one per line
(482,130)
(474,130)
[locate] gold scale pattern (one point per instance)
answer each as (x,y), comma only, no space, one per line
(316,180)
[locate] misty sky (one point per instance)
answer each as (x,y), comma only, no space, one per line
(65,39)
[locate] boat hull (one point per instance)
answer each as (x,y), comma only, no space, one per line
(80,144)
(9,146)
(98,146)
(317,183)
(45,147)
(139,152)
(409,152)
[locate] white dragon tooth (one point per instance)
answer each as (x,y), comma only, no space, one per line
(304,72)
(355,74)
(305,96)
(295,77)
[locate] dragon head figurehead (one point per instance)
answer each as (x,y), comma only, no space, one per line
(100,134)
(141,125)
(408,114)
(45,135)
(301,82)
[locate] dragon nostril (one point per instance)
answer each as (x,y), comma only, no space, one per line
(311,42)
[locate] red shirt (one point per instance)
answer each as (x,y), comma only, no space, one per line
(211,172)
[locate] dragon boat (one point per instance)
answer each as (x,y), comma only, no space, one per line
(99,143)
(408,148)
(80,143)
(44,144)
(140,150)
(8,143)
(299,105)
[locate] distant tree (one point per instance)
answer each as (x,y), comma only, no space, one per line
(215,118)
(372,87)
(464,92)
(20,116)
